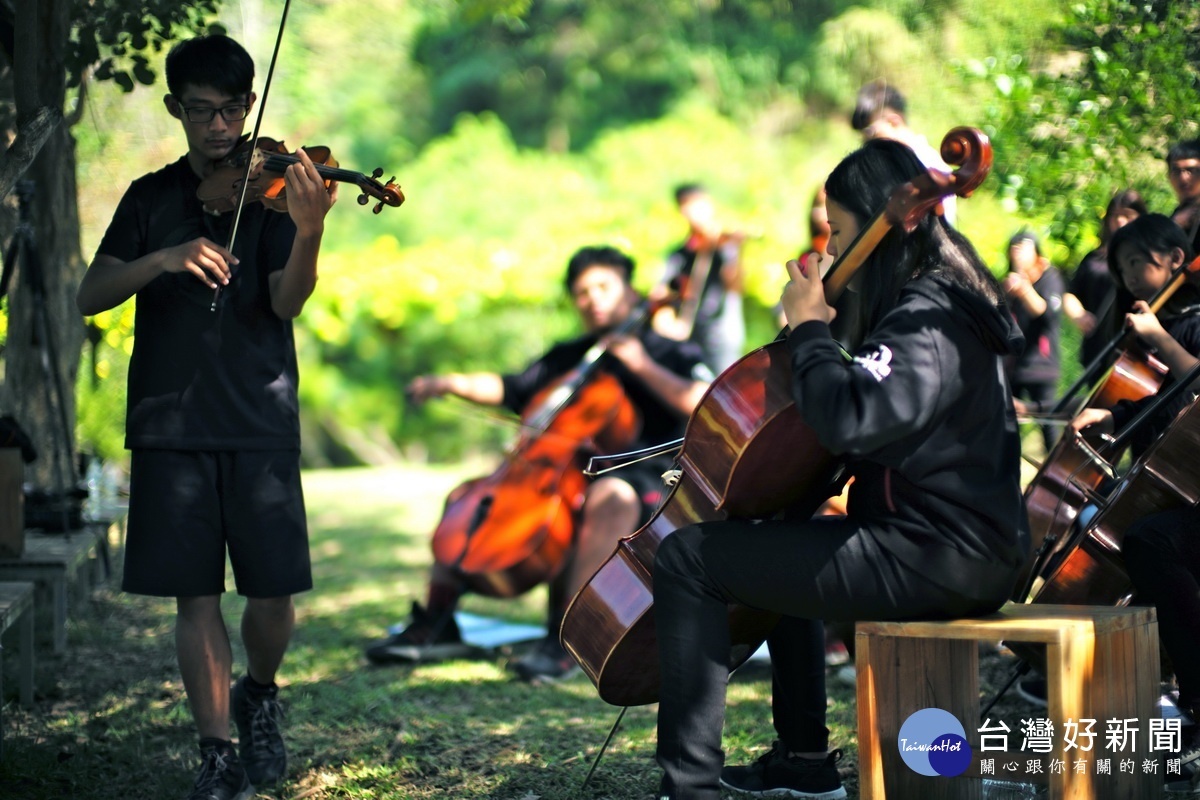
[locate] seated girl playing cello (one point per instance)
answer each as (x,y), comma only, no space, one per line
(1143,255)
(935,527)
(1161,550)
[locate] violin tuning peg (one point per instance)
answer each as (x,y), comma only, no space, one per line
(378,207)
(375,173)
(363,199)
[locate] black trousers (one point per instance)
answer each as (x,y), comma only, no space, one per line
(1162,555)
(825,568)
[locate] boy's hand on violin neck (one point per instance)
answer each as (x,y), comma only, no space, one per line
(309,200)
(202,257)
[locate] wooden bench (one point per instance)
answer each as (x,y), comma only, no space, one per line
(1101,663)
(53,562)
(16,608)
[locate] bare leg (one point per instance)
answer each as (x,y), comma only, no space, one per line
(205,662)
(611,510)
(267,626)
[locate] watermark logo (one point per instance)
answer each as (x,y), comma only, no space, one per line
(933,742)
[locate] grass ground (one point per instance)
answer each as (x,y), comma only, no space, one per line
(111,719)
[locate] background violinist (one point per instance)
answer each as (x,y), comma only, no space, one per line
(706,272)
(663,378)
(213,416)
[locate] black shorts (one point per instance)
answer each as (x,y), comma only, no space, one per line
(646,479)
(187,506)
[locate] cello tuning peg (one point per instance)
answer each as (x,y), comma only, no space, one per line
(363,199)
(377,172)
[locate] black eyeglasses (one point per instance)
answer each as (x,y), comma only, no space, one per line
(206,114)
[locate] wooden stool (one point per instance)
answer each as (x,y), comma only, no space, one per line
(1101,664)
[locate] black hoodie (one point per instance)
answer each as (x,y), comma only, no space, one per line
(923,417)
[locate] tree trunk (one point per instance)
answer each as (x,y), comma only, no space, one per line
(45,331)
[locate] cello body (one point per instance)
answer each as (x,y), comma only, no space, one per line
(1075,467)
(1091,570)
(746,453)
(509,531)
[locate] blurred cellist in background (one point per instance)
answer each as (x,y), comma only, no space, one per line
(662,378)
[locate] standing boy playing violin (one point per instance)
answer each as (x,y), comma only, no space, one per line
(213,417)
(664,379)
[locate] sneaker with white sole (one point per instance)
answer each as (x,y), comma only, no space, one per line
(776,774)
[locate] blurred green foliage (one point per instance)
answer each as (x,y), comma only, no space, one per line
(521,130)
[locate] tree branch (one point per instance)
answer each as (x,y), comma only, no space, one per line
(31,135)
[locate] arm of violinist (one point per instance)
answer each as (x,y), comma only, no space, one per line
(1083,319)
(109,281)
(1020,290)
(484,388)
(1148,328)
(681,394)
(308,202)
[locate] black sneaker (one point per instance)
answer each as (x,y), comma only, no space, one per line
(775,774)
(428,637)
(548,662)
(221,776)
(258,715)
(1033,690)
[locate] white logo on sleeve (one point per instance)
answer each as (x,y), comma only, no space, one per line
(877,363)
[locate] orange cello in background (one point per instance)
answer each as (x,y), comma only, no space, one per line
(746,453)
(1074,469)
(507,532)
(221,188)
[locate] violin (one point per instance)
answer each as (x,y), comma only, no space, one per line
(221,189)
(679,321)
(746,453)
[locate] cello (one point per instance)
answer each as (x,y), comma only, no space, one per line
(1089,568)
(1075,468)
(509,531)
(746,453)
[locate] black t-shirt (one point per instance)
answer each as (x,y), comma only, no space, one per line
(660,423)
(1097,291)
(202,379)
(1038,362)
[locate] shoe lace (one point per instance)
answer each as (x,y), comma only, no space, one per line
(265,737)
(211,769)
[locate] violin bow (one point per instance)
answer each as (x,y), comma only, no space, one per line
(262,106)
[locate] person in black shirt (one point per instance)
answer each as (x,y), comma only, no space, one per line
(706,270)
(1095,302)
(212,418)
(935,526)
(1183,172)
(1035,294)
(663,379)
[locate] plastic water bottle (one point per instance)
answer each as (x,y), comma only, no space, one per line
(93,478)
